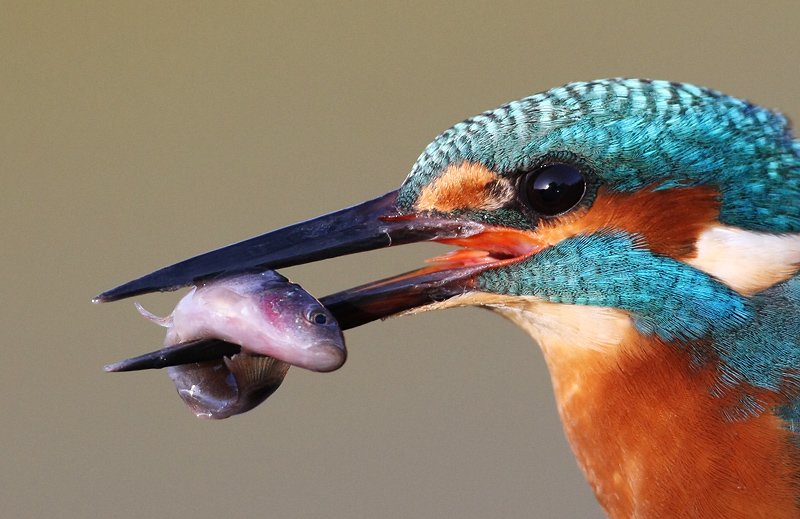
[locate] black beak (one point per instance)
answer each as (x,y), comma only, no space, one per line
(372,225)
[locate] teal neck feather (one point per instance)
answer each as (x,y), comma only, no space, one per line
(755,338)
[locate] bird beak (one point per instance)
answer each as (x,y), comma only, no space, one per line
(371,225)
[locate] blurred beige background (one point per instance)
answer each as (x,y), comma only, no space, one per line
(135,135)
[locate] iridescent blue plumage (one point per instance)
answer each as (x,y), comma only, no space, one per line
(637,133)
(758,337)
(666,297)
(767,348)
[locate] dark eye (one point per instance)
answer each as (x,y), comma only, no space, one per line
(318,317)
(553,189)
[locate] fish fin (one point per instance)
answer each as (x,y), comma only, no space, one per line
(161,321)
(257,376)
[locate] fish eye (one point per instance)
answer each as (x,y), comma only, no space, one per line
(318,317)
(553,188)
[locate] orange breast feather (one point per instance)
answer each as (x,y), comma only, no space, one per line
(655,437)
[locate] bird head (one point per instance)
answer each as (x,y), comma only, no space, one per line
(656,199)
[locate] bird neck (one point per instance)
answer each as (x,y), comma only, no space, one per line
(655,431)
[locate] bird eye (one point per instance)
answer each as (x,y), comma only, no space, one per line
(318,317)
(553,188)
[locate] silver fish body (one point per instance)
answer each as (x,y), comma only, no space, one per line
(276,323)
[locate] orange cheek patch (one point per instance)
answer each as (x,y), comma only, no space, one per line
(463,186)
(670,220)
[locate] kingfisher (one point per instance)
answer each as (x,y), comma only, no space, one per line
(646,234)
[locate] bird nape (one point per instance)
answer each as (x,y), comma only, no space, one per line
(647,235)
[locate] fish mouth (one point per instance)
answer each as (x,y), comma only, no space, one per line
(374,224)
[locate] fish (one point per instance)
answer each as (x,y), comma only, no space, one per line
(249,328)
